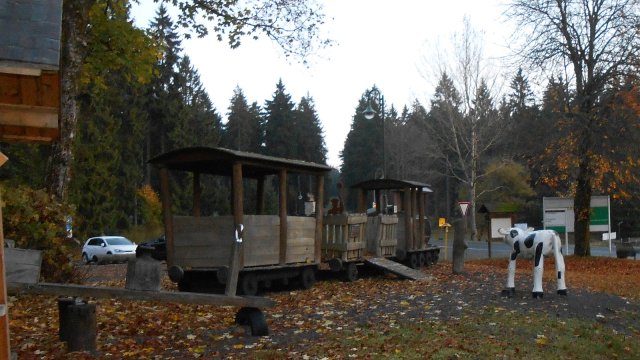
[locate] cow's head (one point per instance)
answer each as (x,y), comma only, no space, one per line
(511,234)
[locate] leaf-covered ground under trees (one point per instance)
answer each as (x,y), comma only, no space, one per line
(377,316)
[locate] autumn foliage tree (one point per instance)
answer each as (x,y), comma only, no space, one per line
(596,42)
(37,221)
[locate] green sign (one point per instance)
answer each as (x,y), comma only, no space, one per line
(599,215)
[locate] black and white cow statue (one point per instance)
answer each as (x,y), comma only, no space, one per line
(534,245)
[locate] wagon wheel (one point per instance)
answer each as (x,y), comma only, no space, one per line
(249,284)
(255,319)
(434,257)
(413,261)
(307,278)
(351,272)
(428,258)
(422,260)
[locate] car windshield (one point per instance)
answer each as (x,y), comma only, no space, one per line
(118,241)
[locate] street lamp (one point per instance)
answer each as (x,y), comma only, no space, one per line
(369,114)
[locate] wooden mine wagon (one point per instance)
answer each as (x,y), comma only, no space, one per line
(401,229)
(245,250)
(343,242)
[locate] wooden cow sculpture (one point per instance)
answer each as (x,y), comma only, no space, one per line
(534,245)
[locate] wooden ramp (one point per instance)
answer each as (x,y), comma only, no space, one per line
(396,268)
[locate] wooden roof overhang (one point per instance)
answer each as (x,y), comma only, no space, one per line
(220,161)
(391,184)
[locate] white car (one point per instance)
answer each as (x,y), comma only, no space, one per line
(101,249)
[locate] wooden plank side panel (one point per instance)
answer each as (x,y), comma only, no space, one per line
(301,245)
(261,240)
(12,133)
(43,90)
(29,107)
(202,241)
(29,116)
(23,265)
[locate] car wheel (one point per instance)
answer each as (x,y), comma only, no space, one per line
(85,258)
(95,259)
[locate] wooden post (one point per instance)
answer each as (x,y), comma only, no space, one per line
(408,221)
(414,212)
(283,217)
(197,194)
(362,201)
(166,213)
(5,350)
(319,217)
(238,218)
(421,221)
(81,327)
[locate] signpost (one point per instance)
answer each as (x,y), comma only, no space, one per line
(442,224)
(559,215)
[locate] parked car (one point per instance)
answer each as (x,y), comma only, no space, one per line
(157,248)
(102,249)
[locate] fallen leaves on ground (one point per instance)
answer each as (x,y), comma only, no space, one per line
(303,322)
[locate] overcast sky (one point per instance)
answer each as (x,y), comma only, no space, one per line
(386,43)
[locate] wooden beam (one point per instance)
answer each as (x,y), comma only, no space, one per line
(139,295)
(237,256)
(408,219)
(421,221)
(11,133)
(5,352)
(283,216)
(165,195)
(319,217)
(29,116)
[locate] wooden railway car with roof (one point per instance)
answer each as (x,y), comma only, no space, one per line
(240,251)
(398,228)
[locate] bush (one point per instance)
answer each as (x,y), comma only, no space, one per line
(35,220)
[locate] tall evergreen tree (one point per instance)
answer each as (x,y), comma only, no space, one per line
(281,125)
(362,152)
(243,130)
(310,134)
(164,96)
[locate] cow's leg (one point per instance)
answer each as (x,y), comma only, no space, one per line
(538,270)
(560,268)
(510,290)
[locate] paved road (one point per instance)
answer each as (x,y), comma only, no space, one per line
(479,250)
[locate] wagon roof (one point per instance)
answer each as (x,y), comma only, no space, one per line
(388,184)
(219,161)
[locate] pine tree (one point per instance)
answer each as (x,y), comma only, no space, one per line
(281,125)
(243,130)
(309,129)
(362,152)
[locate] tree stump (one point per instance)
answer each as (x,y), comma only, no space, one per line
(78,325)
(143,273)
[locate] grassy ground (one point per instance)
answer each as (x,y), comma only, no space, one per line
(378,316)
